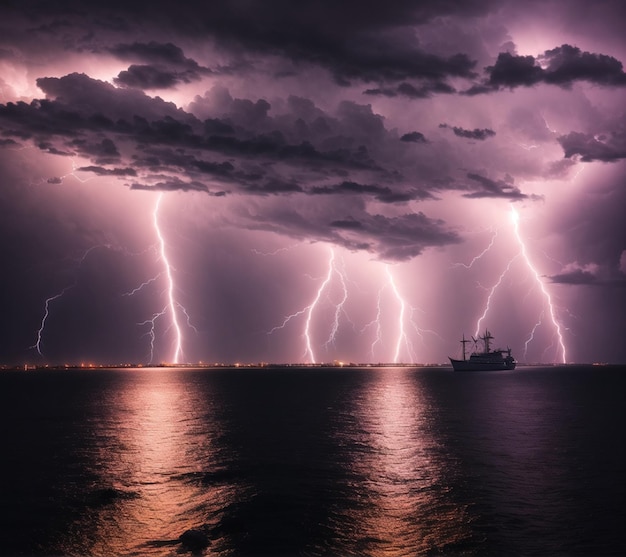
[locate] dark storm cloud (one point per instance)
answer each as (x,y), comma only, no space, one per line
(479,134)
(353,40)
(560,66)
(100,171)
(344,135)
(363,41)
(381,193)
(252,147)
(173,184)
(158,66)
(275,145)
(271,14)
(399,238)
(414,137)
(150,77)
(26,120)
(348,224)
(494,189)
(162,159)
(590,148)
(50,149)
(578,276)
(513,71)
(243,112)
(154,53)
(396,238)
(272,186)
(299,151)
(568,63)
(584,276)
(82,109)
(80,96)
(423,91)
(104,152)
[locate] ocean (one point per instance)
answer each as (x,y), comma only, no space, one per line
(313,462)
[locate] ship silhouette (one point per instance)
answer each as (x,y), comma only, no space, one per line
(485,360)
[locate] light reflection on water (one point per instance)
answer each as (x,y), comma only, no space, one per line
(408,512)
(374,462)
(166,437)
(158,436)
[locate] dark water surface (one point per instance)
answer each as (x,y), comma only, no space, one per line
(352,461)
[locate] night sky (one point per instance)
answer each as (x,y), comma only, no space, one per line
(279,181)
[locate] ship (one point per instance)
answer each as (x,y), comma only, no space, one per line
(487,360)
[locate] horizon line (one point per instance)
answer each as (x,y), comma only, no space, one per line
(261,365)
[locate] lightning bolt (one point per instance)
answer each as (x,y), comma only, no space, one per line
(402,337)
(339,305)
(532,334)
(42,325)
(578,172)
(481,254)
(537,277)
(377,322)
(73,173)
(142,285)
(523,253)
(528,147)
(309,310)
(171,305)
(311,307)
(152,332)
(491,293)
(307,326)
(40,331)
(75,169)
(335,275)
(276,251)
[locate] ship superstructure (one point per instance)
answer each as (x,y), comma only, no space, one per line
(485,359)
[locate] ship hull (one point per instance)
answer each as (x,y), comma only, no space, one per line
(475,364)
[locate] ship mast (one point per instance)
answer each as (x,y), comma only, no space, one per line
(487,338)
(464,342)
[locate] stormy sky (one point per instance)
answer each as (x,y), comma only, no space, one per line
(247,181)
